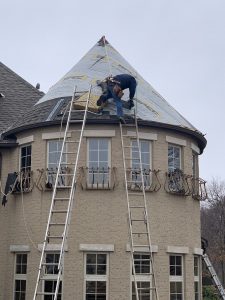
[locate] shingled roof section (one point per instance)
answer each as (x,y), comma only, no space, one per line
(16,97)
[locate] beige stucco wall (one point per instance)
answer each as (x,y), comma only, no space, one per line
(99,217)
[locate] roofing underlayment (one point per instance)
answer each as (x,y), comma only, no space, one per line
(101,61)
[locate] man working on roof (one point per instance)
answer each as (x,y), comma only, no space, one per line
(112,87)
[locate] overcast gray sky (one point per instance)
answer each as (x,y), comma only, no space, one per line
(176,45)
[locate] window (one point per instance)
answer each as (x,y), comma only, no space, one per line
(174,158)
(54,151)
(197,277)
(194,165)
(143,279)
(25,168)
(25,159)
(146,163)
(98,161)
(176,277)
(96,276)
(50,277)
(20,276)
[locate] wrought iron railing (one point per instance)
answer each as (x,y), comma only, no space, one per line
(46,178)
(97,178)
(24,182)
(151,179)
(199,191)
(177,183)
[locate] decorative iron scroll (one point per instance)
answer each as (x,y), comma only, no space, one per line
(24,182)
(46,178)
(151,179)
(98,178)
(177,183)
(199,191)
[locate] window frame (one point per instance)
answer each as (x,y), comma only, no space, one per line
(197,278)
(20,157)
(180,157)
(94,277)
(51,277)
(51,171)
(149,156)
(100,185)
(19,276)
(177,278)
(140,277)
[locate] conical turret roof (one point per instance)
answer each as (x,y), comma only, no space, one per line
(103,60)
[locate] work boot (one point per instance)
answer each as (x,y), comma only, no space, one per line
(122,120)
(131,104)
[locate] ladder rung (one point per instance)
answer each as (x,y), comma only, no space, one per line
(45,294)
(59,211)
(138,220)
(68,164)
(129,125)
(57,224)
(137,206)
(134,181)
(61,199)
(136,194)
(131,147)
(54,237)
(70,152)
(77,110)
(74,130)
(71,141)
(131,158)
(63,174)
(140,233)
(139,246)
(64,186)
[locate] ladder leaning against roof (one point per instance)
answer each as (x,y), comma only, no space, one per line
(138,219)
(61,205)
(214,276)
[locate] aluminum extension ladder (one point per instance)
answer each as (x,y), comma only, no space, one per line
(59,218)
(138,219)
(214,276)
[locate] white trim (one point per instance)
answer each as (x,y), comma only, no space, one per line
(95,277)
(154,249)
(109,159)
(19,248)
(178,250)
(54,135)
(198,251)
(99,133)
(195,148)
(143,135)
(52,247)
(97,247)
(176,141)
(26,140)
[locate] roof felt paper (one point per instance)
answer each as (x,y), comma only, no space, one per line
(103,60)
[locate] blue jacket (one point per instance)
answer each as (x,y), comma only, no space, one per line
(126,81)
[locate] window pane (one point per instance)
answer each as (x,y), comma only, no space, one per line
(91,258)
(101,287)
(103,144)
(103,155)
(90,286)
(101,258)
(93,156)
(93,144)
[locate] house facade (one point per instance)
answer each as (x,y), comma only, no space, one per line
(97,261)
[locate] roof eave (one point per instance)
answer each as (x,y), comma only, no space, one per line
(201,140)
